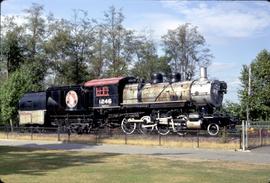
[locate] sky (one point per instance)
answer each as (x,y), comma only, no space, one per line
(235,31)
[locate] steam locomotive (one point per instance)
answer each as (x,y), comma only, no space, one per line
(130,103)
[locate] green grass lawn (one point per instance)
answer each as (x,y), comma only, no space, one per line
(20,165)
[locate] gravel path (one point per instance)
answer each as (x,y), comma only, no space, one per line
(260,155)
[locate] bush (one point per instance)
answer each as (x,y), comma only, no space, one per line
(11,90)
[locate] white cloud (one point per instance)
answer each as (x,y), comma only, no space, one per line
(226,71)
(219,22)
(225,19)
(220,66)
(159,22)
(234,86)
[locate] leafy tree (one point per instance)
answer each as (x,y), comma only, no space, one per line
(18,83)
(35,35)
(233,109)
(187,49)
(118,43)
(259,100)
(148,61)
(12,45)
(97,67)
(70,48)
(35,29)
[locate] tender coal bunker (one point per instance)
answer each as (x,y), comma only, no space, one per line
(33,101)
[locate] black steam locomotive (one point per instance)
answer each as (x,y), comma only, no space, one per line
(174,106)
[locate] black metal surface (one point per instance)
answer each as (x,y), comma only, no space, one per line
(56,98)
(33,101)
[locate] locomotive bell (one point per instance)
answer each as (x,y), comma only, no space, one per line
(176,77)
(157,78)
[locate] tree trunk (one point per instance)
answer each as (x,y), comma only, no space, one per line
(11,125)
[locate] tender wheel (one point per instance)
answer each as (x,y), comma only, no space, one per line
(127,127)
(213,129)
(147,126)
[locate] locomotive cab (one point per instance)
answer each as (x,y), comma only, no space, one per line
(108,93)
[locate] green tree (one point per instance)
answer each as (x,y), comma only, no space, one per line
(233,109)
(147,60)
(35,29)
(187,49)
(35,35)
(11,90)
(118,43)
(98,62)
(259,100)
(12,45)
(70,49)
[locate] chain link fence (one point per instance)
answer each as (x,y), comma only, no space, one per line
(192,139)
(258,134)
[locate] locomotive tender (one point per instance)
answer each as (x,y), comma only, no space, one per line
(174,106)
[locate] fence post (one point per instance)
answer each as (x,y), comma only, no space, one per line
(267,137)
(159,139)
(31,132)
(240,140)
(198,139)
(246,129)
(260,136)
(224,135)
(11,126)
(58,134)
(69,132)
(7,131)
(125,138)
(97,137)
(243,136)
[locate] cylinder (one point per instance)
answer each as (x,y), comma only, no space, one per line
(203,73)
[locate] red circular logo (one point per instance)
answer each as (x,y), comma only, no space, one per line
(71,99)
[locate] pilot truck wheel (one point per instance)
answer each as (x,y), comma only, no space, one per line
(213,129)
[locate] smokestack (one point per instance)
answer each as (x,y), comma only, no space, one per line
(203,73)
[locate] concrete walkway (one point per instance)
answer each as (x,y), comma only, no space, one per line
(260,155)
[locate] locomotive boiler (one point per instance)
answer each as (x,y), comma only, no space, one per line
(130,103)
(201,92)
(176,105)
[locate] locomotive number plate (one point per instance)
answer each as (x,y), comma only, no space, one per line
(105,101)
